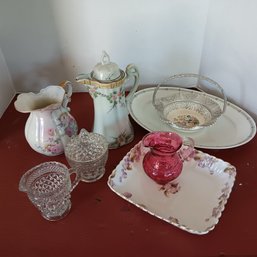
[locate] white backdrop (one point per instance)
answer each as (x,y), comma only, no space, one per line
(161,37)
(229,53)
(7,90)
(48,41)
(44,42)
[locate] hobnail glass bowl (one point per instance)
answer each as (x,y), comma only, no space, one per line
(189,109)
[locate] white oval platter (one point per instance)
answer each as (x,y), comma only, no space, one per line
(234,128)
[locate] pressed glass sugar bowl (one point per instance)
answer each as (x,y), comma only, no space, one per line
(88,154)
(189,110)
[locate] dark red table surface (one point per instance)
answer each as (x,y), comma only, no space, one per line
(100,222)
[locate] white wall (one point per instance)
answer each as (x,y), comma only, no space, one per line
(7,91)
(229,53)
(30,43)
(161,37)
(44,42)
(51,40)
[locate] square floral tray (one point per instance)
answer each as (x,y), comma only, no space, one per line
(193,202)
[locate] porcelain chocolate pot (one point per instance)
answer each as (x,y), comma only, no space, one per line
(106,85)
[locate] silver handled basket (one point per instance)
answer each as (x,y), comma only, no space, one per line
(190,109)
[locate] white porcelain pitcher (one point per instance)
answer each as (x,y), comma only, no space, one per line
(106,84)
(49,125)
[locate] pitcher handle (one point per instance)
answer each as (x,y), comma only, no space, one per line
(132,70)
(77,179)
(66,84)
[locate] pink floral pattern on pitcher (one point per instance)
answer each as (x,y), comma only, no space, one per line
(53,143)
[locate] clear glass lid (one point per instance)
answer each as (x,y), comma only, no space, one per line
(86,146)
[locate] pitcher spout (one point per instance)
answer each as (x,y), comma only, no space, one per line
(48,98)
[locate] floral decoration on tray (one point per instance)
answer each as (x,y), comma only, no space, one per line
(193,202)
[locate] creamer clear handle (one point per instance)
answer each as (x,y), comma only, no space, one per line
(76,180)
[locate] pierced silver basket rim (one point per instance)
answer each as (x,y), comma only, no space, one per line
(201,93)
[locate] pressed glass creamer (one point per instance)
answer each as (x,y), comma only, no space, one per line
(48,186)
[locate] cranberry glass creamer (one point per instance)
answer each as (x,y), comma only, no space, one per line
(164,162)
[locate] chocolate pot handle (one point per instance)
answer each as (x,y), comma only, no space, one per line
(132,71)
